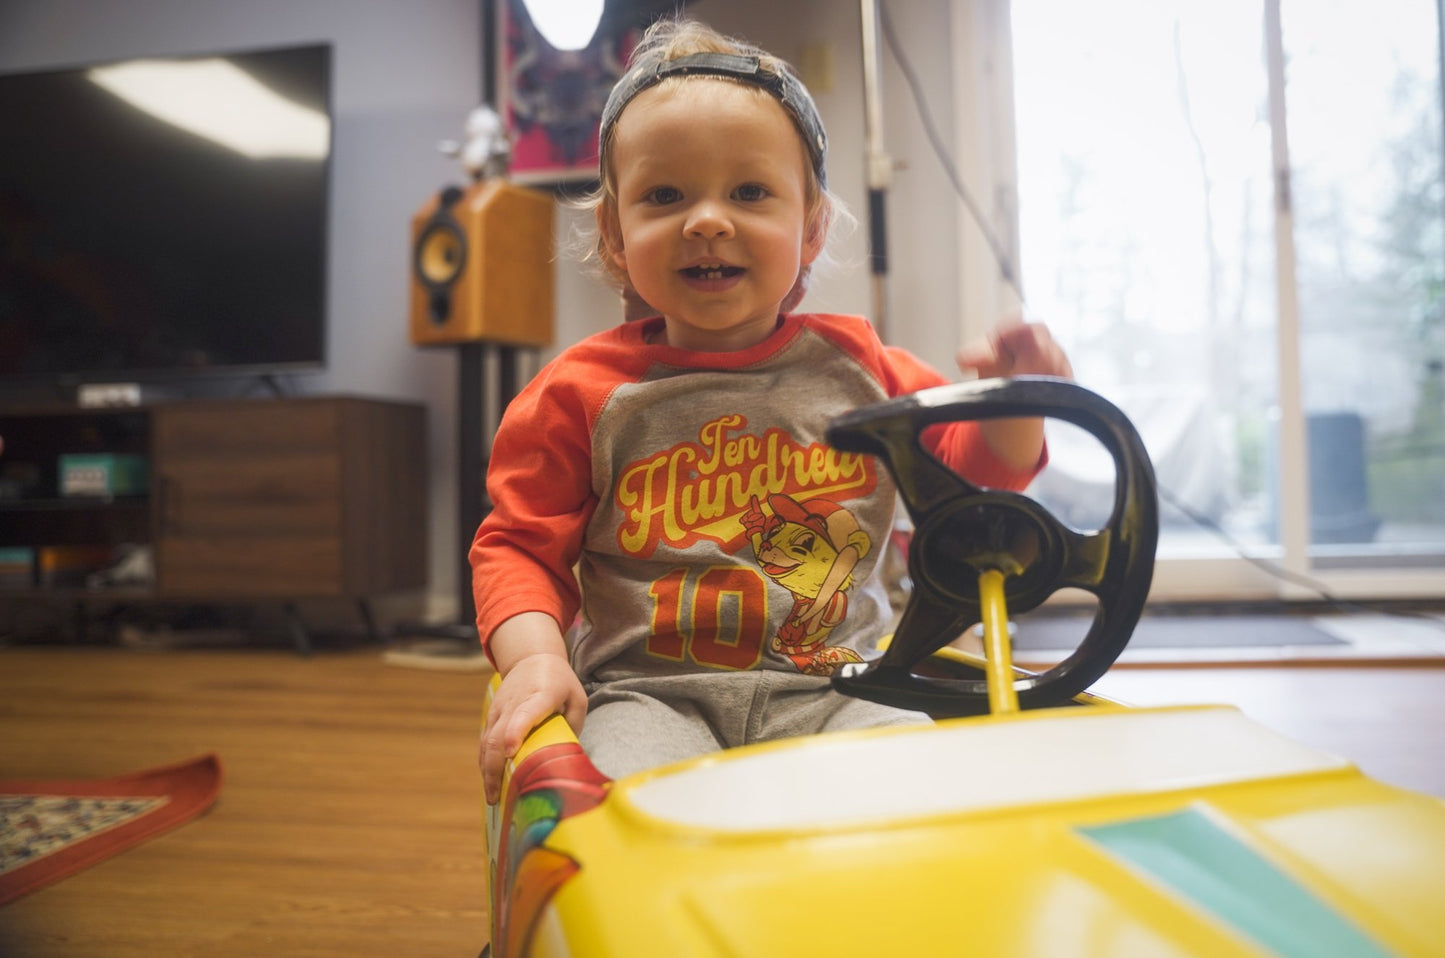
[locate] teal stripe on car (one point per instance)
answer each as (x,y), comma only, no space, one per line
(1218,872)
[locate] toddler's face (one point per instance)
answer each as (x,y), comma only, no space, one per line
(711,209)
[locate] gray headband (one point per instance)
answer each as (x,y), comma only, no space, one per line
(788,90)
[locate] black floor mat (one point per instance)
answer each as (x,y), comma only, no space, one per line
(1178,632)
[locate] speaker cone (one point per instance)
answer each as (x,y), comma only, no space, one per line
(440,253)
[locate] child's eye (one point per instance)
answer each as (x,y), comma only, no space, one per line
(751,192)
(663,195)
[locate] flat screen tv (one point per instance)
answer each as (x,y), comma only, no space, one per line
(165,216)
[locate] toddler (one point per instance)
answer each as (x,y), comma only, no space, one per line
(727,556)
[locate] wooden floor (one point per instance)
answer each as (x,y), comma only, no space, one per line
(1386,720)
(348,823)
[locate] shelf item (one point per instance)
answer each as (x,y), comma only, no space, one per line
(103,474)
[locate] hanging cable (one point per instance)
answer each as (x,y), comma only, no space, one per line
(920,102)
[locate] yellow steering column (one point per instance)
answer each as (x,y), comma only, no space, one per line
(998,656)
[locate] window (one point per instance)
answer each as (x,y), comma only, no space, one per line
(1276,339)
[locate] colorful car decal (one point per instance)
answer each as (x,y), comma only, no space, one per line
(550,785)
(1213,868)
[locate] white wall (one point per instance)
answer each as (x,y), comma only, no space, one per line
(407,72)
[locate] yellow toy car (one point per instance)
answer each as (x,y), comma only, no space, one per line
(1032,820)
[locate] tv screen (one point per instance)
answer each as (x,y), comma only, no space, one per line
(165,216)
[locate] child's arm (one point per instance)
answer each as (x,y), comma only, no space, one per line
(1016,348)
(537,681)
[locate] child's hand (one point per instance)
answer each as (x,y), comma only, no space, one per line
(535,688)
(1016,348)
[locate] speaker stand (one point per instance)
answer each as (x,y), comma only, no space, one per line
(472,457)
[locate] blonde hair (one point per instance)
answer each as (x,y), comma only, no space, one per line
(670,39)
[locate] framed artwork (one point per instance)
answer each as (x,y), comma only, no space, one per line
(551,100)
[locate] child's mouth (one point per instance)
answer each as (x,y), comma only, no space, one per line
(712,272)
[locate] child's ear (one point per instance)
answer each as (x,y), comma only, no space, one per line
(610,229)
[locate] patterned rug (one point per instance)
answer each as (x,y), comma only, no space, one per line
(52,829)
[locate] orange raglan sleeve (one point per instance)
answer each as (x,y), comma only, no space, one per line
(959,445)
(540,483)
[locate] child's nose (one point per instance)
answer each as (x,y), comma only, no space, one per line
(708,221)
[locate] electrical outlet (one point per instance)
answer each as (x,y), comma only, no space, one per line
(815,67)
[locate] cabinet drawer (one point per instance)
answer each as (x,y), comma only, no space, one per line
(238,429)
(296,493)
(298,566)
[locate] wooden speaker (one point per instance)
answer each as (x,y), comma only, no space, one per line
(482,266)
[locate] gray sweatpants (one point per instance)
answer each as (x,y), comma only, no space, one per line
(640,723)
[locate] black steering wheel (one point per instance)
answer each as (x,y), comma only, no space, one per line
(961,531)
